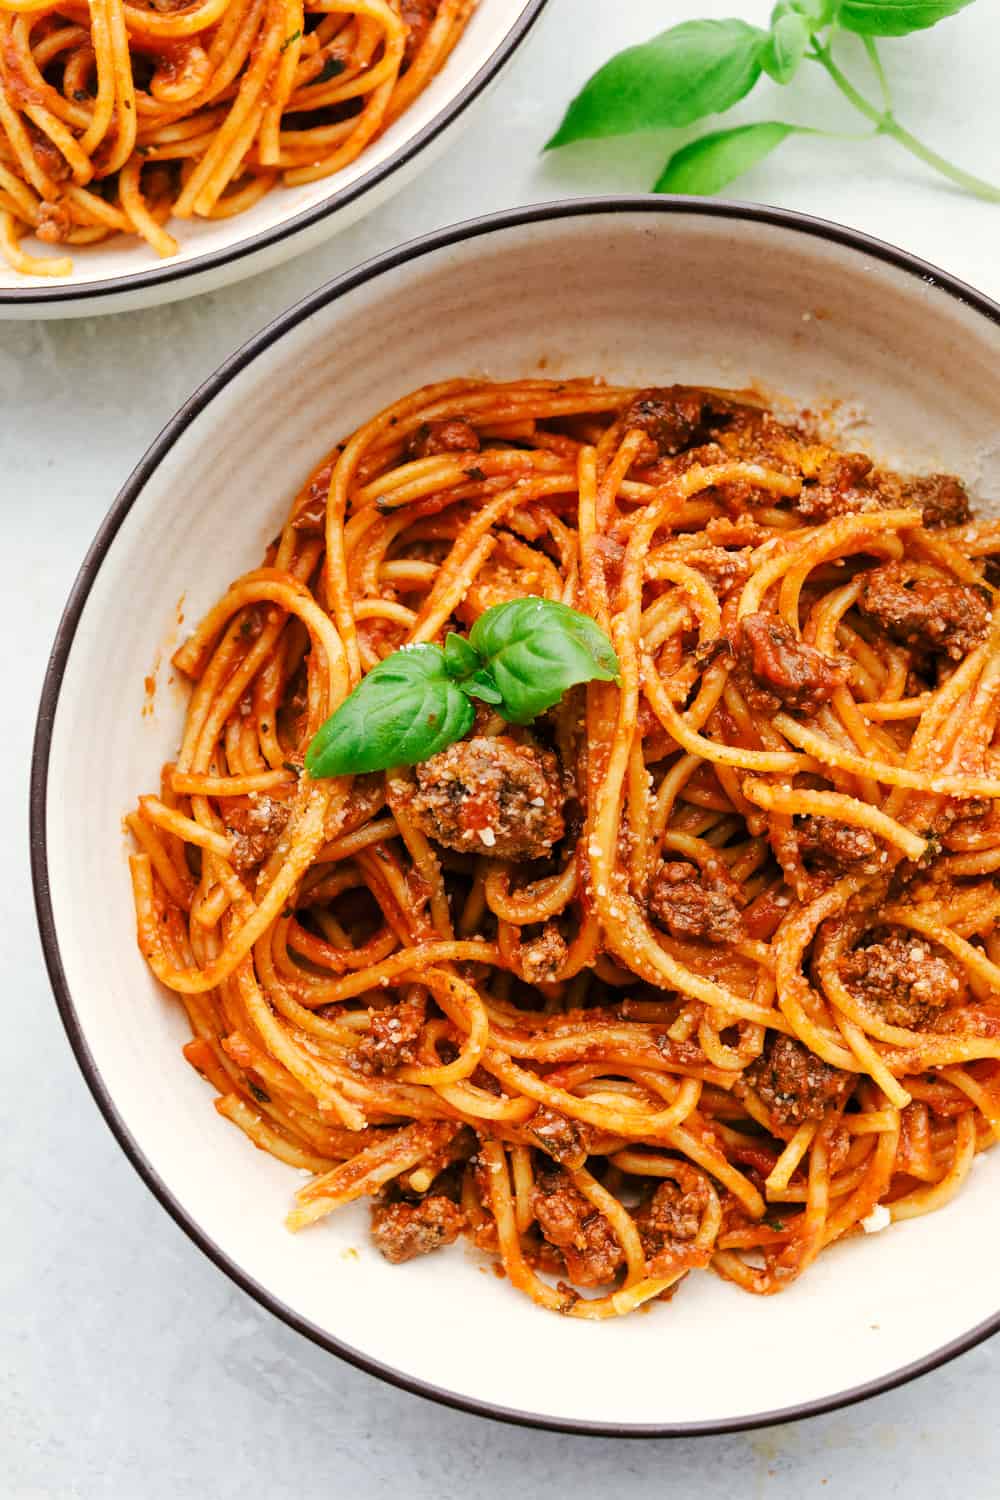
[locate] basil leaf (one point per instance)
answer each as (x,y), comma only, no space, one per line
(785,47)
(536,649)
(711,162)
(463,663)
(482,686)
(819,12)
(404,711)
(695,69)
(460,660)
(896,17)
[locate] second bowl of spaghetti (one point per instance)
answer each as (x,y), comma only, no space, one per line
(559,788)
(148,153)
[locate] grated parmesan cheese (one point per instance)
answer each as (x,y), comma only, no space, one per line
(879,1218)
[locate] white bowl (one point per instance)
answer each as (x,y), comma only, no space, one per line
(638,290)
(122,273)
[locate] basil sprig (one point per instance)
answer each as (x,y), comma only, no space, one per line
(695,69)
(520,657)
(702,68)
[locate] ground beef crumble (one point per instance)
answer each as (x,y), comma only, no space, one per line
(254,824)
(726,571)
(675,417)
(903,979)
(836,847)
(683,901)
(943,499)
(566,1141)
(667,1223)
(54,222)
(840,484)
(589,1248)
(497,796)
(847,482)
(794,1084)
(453,436)
(392,1037)
(925,613)
(404,1230)
(541,958)
(776,668)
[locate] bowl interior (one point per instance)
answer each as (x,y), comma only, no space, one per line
(644,294)
(202,239)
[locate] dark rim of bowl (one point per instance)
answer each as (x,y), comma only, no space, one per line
(414,250)
(112,286)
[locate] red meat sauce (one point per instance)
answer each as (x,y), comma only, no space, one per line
(55,221)
(47,155)
(418,16)
(924,612)
(579,1239)
(776,669)
(575,1237)
(726,571)
(452,436)
(669,1220)
(676,418)
(685,425)
(505,796)
(566,1141)
(541,957)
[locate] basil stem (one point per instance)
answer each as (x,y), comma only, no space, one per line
(887,124)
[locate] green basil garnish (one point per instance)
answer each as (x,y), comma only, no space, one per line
(404,711)
(701,68)
(711,162)
(896,17)
(787,45)
(695,69)
(460,659)
(521,657)
(534,649)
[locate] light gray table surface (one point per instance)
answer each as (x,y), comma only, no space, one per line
(129,1366)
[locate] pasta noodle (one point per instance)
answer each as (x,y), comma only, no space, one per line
(117,116)
(698,970)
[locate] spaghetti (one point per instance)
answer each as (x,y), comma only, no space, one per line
(117,116)
(698,970)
